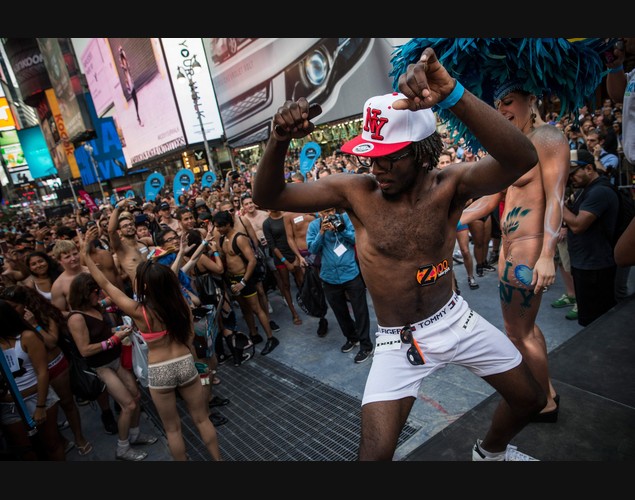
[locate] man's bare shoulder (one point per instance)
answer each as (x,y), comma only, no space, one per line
(58,284)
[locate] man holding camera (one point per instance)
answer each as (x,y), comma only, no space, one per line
(332,236)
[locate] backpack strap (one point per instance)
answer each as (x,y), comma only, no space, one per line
(235,247)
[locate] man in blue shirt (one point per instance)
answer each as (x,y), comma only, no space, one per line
(332,236)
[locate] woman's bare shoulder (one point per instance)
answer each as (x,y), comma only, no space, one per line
(548,133)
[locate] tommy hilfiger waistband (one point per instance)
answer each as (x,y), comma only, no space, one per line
(417,325)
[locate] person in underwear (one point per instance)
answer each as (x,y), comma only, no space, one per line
(530,226)
(462,237)
(239,271)
(164,319)
(49,323)
(100,344)
(43,271)
(405,214)
(296,226)
(25,355)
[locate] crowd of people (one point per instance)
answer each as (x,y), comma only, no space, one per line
(183,269)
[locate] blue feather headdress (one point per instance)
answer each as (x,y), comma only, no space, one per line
(570,69)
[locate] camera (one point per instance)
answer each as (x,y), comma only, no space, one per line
(90,223)
(337,223)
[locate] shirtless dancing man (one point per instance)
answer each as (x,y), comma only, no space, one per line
(420,319)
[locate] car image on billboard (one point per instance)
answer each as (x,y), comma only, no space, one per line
(262,73)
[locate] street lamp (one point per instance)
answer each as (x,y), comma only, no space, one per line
(89,149)
(192,66)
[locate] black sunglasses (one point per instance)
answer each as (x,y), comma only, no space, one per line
(414,354)
(381,160)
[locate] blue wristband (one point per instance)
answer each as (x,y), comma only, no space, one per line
(617,69)
(454,96)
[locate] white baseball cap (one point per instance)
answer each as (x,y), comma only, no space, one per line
(387,130)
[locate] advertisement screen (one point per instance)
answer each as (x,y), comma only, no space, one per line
(128,78)
(61,83)
(181,54)
(21,176)
(11,149)
(105,150)
(144,103)
(36,152)
(7,121)
(100,73)
(254,76)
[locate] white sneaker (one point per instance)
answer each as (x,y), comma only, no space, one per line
(511,454)
(143,438)
(131,455)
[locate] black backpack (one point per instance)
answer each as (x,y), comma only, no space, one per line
(85,383)
(625,213)
(261,266)
(310,296)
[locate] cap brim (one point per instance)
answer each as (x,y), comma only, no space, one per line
(361,147)
(576,164)
(573,168)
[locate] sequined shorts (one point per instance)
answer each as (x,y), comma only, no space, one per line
(172,373)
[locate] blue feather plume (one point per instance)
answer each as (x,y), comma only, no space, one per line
(570,70)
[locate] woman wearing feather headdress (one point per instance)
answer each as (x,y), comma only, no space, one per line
(513,74)
(530,225)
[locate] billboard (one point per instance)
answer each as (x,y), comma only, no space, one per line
(180,53)
(144,102)
(60,81)
(7,122)
(106,150)
(28,67)
(36,152)
(101,75)
(254,76)
(12,153)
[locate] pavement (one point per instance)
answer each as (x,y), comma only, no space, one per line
(302,401)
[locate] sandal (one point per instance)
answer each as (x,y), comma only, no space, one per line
(86,449)
(297,321)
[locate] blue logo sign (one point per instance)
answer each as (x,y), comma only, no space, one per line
(310,153)
(154,185)
(208,179)
(182,182)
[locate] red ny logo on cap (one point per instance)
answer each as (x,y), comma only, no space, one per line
(374,123)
